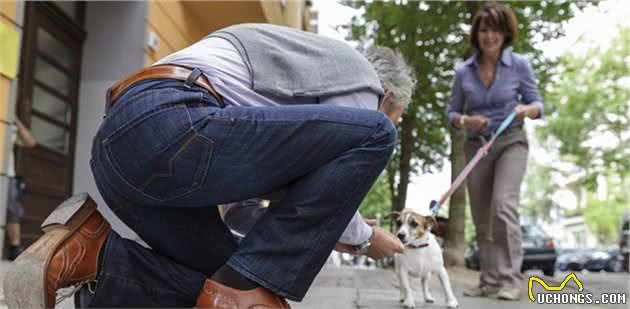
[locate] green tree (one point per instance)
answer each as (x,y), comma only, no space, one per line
(602,216)
(433,36)
(588,116)
(377,204)
(588,110)
(536,199)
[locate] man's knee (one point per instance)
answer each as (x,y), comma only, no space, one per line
(385,134)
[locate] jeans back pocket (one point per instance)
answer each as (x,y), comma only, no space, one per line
(159,153)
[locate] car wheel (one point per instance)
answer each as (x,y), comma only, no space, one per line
(549,271)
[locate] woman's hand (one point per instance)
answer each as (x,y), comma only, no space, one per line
(475,123)
(526,110)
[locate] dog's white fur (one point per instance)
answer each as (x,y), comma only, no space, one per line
(414,230)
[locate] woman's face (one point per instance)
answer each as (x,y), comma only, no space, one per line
(490,40)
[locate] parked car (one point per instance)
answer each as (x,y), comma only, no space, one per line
(471,256)
(440,230)
(572,259)
(605,259)
(624,240)
(538,251)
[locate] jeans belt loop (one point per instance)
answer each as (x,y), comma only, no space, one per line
(108,97)
(190,81)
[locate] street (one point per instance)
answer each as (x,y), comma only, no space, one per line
(348,287)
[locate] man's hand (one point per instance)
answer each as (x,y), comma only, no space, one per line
(476,123)
(384,244)
(526,110)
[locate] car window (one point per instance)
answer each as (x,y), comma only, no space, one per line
(533,231)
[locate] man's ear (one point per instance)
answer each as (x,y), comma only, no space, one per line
(388,107)
(386,102)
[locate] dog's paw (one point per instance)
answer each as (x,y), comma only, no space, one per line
(409,303)
(452,304)
(429,299)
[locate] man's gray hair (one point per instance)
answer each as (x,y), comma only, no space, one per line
(394,72)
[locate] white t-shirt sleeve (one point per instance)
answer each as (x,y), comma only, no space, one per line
(357,231)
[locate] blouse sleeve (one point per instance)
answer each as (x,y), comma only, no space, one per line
(529,87)
(456,101)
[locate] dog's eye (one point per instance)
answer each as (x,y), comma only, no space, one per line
(413,224)
(398,222)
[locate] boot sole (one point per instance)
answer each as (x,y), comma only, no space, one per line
(25,281)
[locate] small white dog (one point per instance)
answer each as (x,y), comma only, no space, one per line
(422,256)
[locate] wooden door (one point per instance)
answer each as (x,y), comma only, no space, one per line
(47,104)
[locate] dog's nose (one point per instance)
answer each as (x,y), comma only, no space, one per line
(401,236)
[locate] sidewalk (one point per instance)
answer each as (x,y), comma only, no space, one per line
(345,287)
(354,288)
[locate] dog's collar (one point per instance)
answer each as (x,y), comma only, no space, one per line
(417,246)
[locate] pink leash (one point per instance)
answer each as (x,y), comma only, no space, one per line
(435,205)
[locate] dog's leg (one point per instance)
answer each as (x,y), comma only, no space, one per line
(405,288)
(400,280)
(403,295)
(425,288)
(451,301)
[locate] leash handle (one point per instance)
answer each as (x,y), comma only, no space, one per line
(434,206)
(505,123)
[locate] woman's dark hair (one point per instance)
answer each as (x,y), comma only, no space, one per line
(498,17)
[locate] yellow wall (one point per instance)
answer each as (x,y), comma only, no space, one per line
(167,20)
(8,15)
(181,23)
(289,14)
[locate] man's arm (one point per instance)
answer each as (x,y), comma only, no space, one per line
(241,217)
(357,231)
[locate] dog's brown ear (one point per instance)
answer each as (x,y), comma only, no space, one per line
(393,214)
(429,222)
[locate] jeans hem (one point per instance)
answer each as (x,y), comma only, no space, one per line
(243,270)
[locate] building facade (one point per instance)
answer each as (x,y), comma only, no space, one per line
(66,56)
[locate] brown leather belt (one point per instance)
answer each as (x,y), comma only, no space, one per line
(160,71)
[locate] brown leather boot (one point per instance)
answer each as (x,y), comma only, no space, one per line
(66,255)
(218,296)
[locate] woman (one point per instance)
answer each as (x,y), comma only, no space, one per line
(22,137)
(487,88)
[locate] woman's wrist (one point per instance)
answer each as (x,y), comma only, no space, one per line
(533,111)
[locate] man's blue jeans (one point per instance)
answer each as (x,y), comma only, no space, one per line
(167,154)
